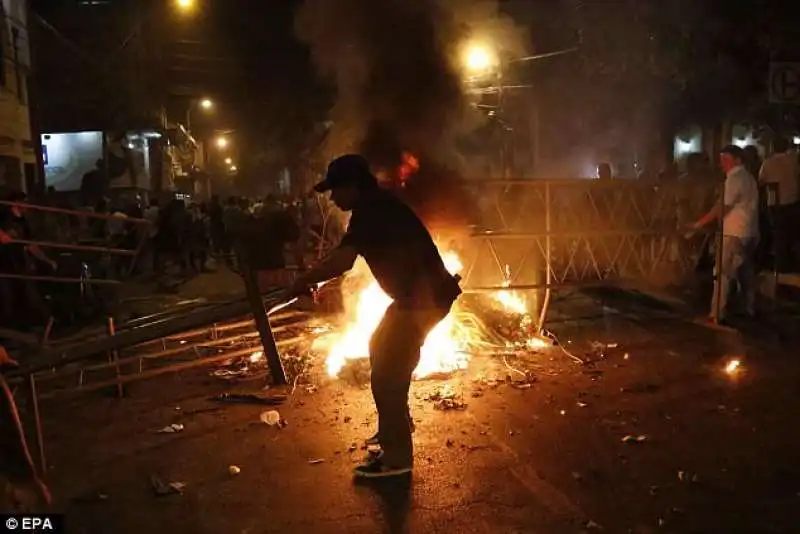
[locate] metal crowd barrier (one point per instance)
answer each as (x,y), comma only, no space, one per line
(544,235)
(62,229)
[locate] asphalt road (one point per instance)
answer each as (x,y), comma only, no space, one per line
(707,452)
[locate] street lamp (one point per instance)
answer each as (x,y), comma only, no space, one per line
(479,59)
(185,5)
(222,142)
(206,104)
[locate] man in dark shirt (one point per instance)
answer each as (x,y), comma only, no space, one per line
(406,264)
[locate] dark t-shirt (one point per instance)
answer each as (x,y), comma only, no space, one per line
(400,253)
(12,255)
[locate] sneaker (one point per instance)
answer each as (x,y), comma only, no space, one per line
(377,469)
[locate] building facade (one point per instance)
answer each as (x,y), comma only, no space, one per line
(17,156)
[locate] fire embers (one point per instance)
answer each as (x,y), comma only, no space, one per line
(409,166)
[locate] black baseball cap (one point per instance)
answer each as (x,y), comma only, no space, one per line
(350,169)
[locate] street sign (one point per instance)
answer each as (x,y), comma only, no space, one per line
(784,83)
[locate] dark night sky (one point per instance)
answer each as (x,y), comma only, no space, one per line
(244,54)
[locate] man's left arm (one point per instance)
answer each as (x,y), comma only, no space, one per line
(338,262)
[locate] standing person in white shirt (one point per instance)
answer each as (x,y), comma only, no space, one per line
(781,168)
(739,233)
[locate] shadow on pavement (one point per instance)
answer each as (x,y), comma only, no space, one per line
(394,495)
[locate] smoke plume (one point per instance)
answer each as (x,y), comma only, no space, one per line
(396,68)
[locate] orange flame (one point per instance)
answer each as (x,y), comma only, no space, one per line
(446,347)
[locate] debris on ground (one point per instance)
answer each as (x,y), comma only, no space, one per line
(591,525)
(171,429)
(91,497)
(271,417)
(644,387)
(250,398)
(356,372)
(445,398)
(234,469)
(166,488)
(316,461)
(641,438)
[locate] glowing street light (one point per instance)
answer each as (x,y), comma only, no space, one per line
(206,104)
(228,161)
(222,142)
(185,5)
(479,59)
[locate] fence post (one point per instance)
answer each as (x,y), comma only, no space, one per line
(547,256)
(260,316)
(33,396)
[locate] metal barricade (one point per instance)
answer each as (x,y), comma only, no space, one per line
(542,235)
(69,232)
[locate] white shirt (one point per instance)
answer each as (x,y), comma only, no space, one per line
(781,169)
(741,203)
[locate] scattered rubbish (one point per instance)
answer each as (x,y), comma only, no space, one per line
(641,438)
(171,429)
(450,442)
(582,404)
(563,412)
(445,398)
(488,382)
(522,385)
(316,461)
(91,497)
(591,525)
(312,389)
(166,488)
(641,388)
(612,345)
(347,419)
(234,470)
(250,398)
(626,356)
(271,417)
(352,448)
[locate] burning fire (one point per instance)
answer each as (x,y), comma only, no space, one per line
(445,348)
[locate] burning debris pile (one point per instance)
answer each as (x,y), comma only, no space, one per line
(495,323)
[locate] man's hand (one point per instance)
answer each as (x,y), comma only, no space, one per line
(300,288)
